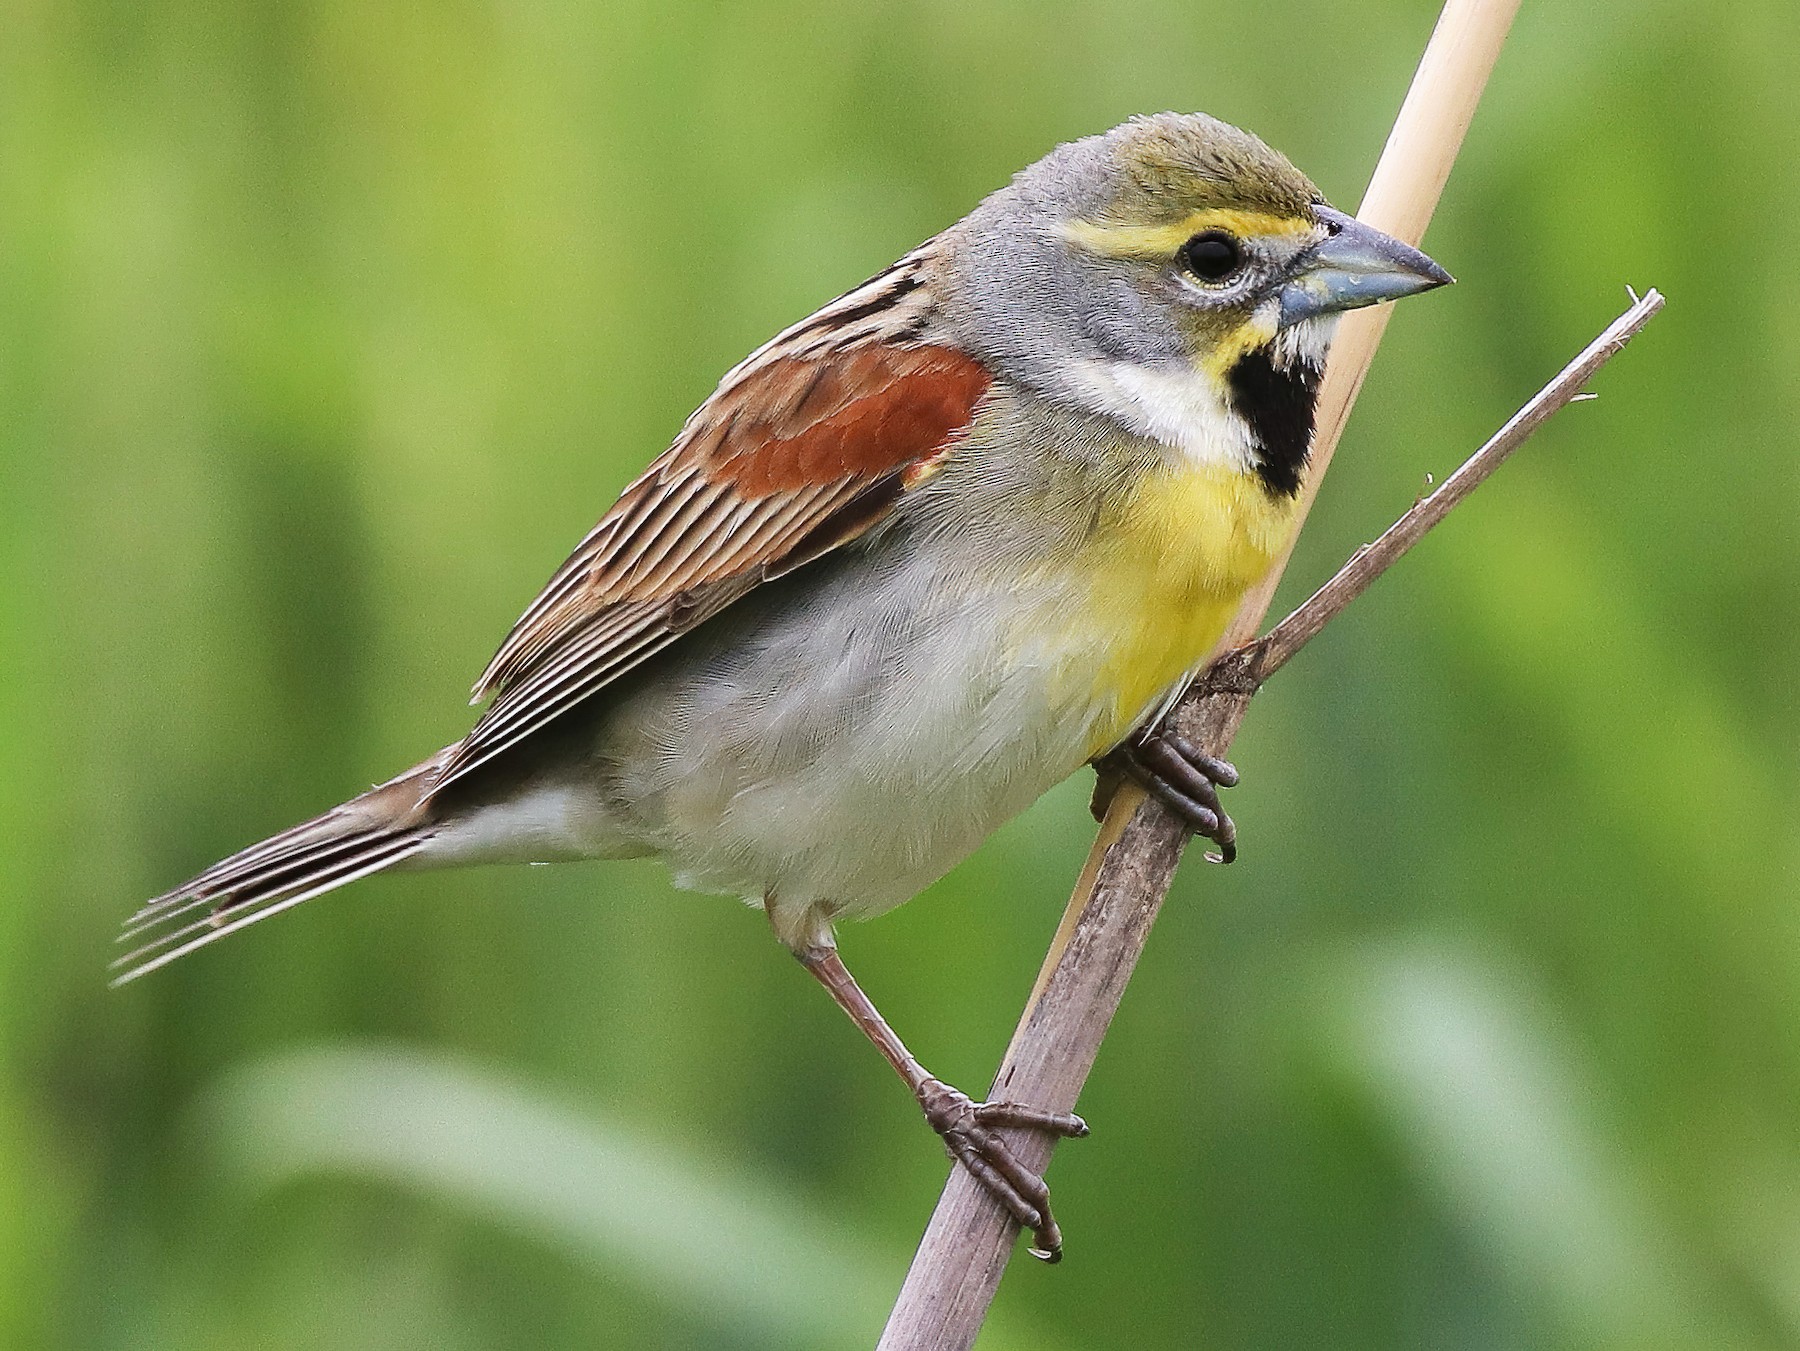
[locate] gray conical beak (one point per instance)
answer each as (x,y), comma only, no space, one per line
(1355,265)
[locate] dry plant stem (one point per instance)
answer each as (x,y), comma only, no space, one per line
(1274,649)
(970,1238)
(1134,860)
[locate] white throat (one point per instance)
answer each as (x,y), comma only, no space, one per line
(1179,407)
(1183,408)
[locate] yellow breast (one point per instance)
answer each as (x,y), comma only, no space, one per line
(1166,573)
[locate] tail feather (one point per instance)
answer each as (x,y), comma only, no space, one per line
(377,830)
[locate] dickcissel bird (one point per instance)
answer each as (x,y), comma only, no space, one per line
(921,556)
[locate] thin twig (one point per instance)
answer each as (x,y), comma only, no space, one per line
(1133,866)
(1133,863)
(1277,647)
(970,1238)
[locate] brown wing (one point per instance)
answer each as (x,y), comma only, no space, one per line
(802,449)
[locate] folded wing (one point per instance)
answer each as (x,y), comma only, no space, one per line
(802,449)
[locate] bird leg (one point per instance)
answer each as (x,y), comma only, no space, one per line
(968,1128)
(1178,774)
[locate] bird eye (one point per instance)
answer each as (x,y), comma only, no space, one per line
(1212,256)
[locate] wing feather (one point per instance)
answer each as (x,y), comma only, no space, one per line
(802,448)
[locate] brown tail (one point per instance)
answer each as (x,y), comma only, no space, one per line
(363,836)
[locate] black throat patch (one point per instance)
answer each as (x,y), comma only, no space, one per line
(1276,403)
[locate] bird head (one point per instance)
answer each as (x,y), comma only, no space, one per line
(1175,260)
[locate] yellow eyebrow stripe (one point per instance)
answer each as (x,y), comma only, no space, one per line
(1160,241)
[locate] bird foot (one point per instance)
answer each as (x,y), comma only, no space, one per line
(968,1129)
(1181,776)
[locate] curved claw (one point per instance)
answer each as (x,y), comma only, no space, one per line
(1186,780)
(1226,839)
(967,1130)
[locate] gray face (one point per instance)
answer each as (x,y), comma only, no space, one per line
(1030,299)
(1169,242)
(1177,278)
(1222,270)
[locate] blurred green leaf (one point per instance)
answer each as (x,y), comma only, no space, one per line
(714,1241)
(1492,1105)
(327,328)
(722,1243)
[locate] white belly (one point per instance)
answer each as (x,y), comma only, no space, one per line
(840,738)
(841,747)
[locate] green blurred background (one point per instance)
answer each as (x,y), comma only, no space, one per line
(327,327)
